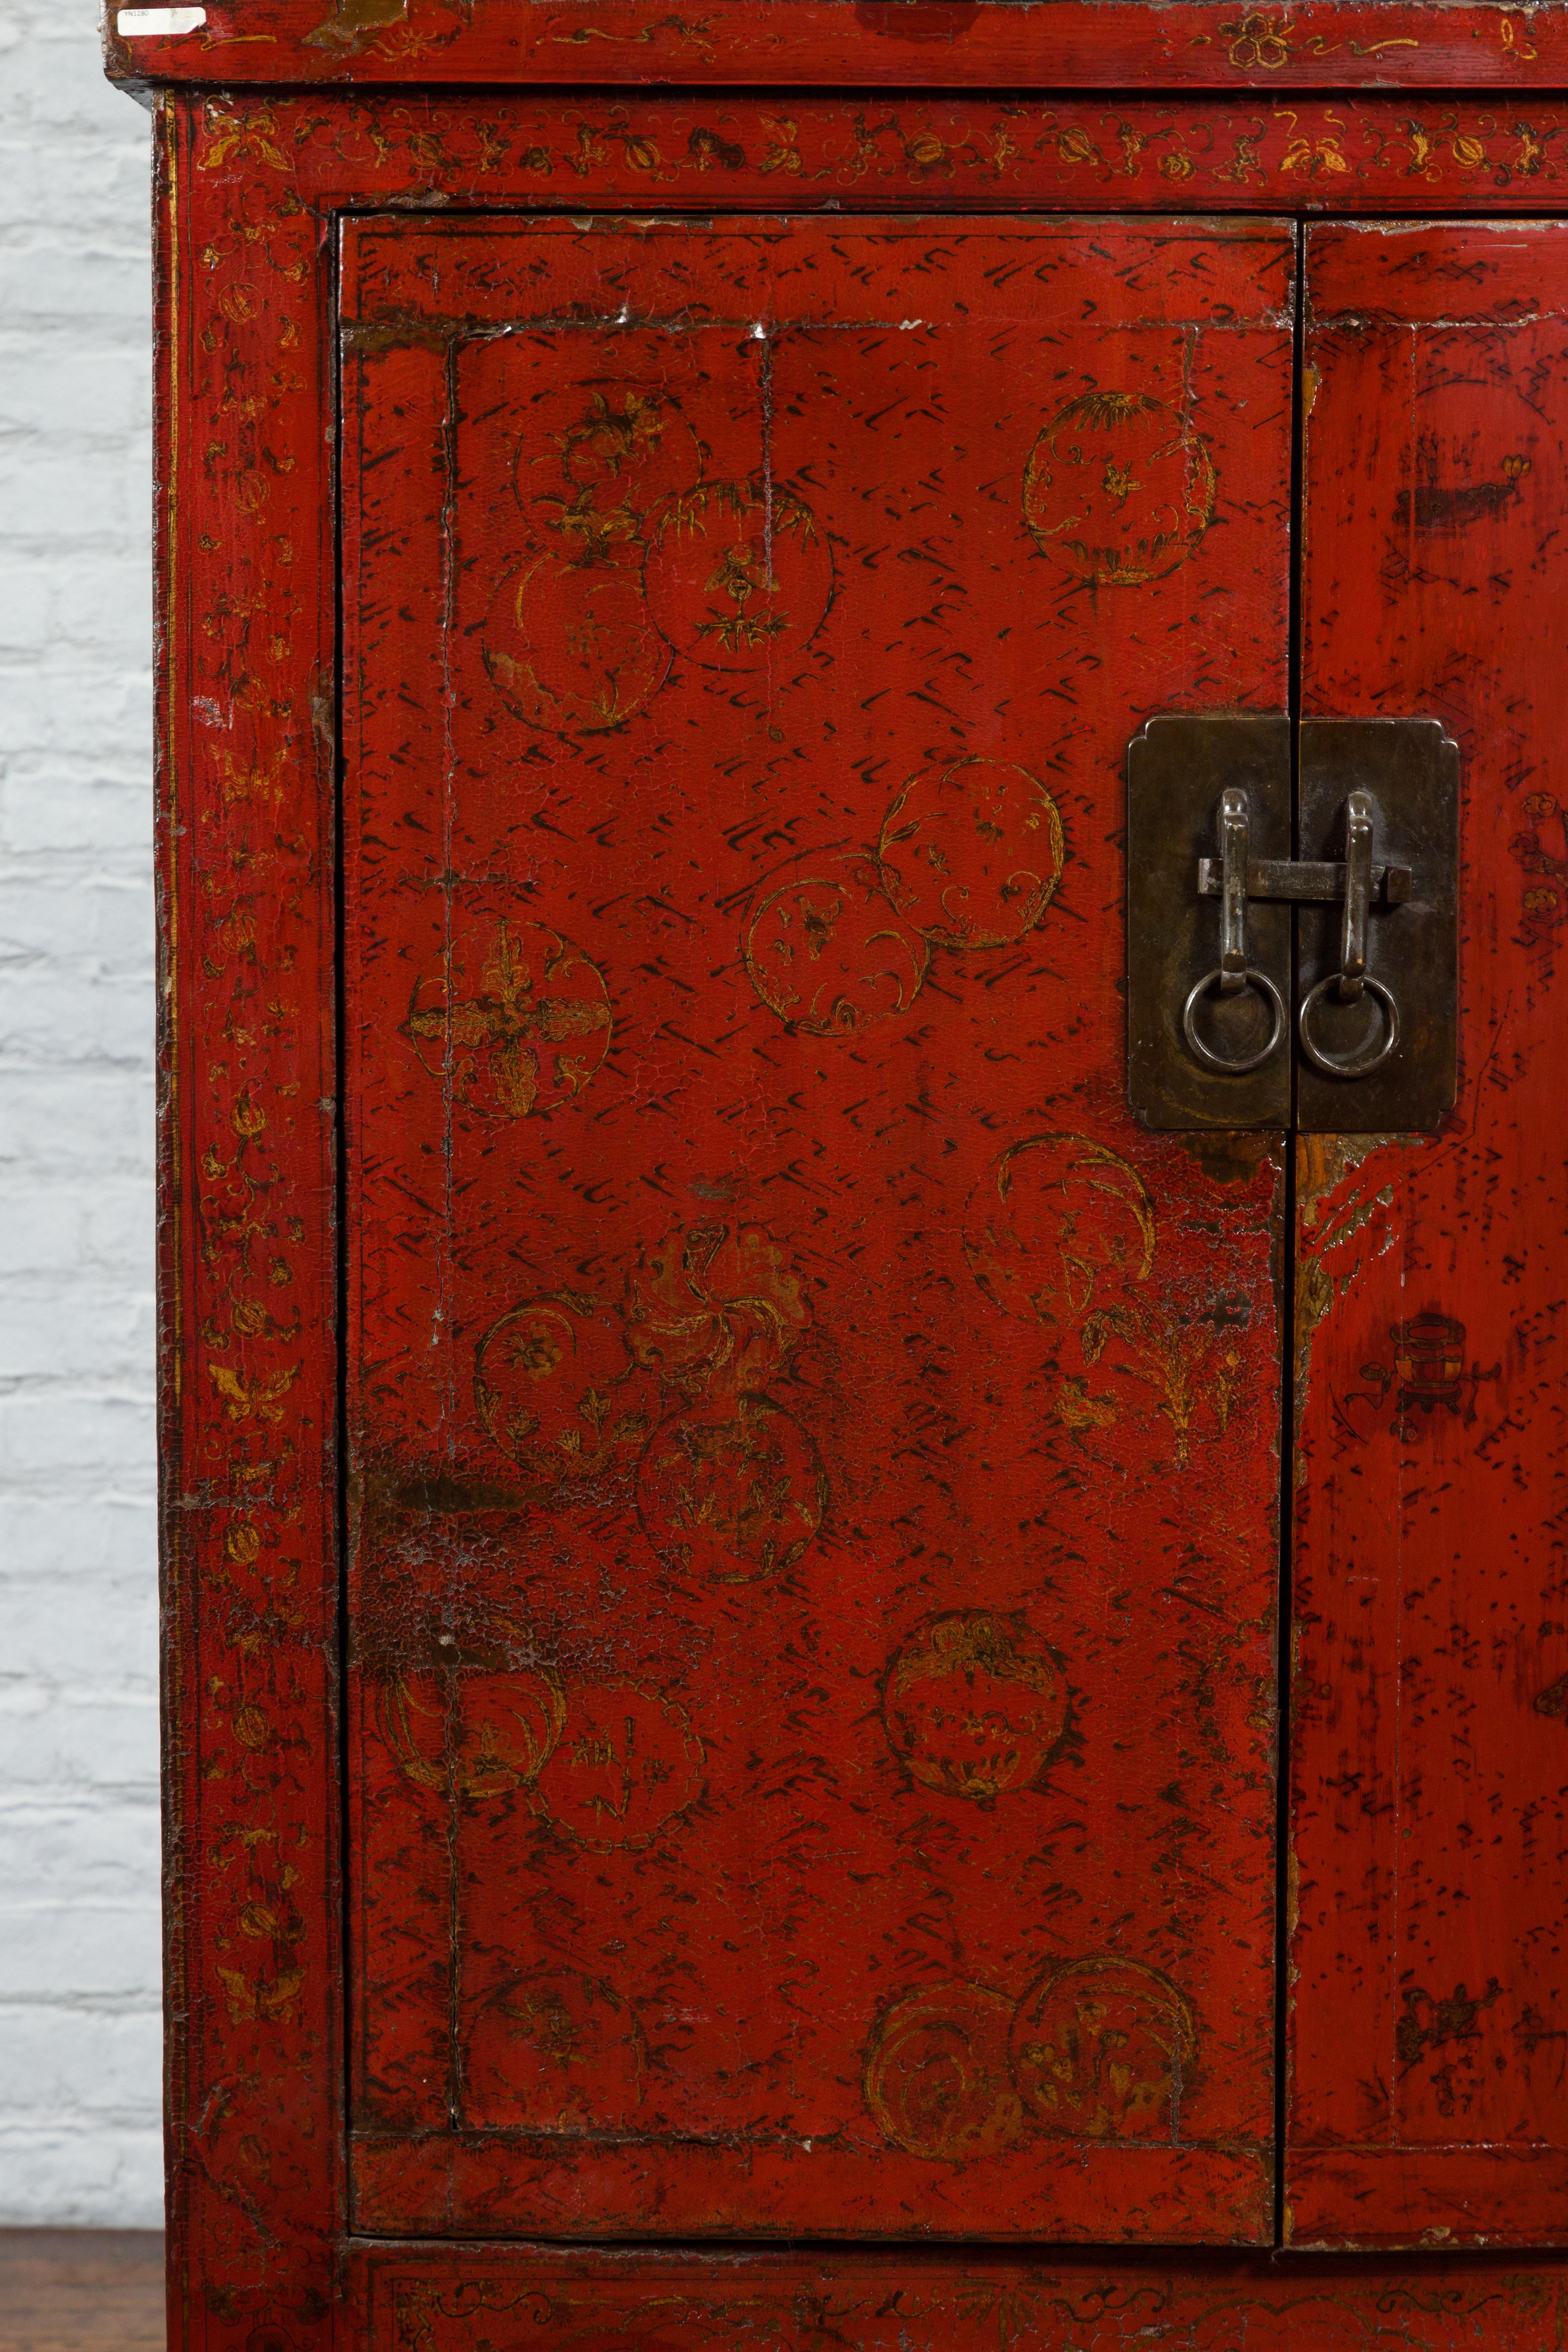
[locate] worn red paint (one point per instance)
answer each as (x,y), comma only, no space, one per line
(1433,2102)
(842,1463)
(1215,45)
(896,2300)
(760,1154)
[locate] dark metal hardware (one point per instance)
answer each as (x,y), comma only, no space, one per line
(1235,825)
(1300,881)
(1358,898)
(1232,971)
(1376,1051)
(1232,1065)
(1364,1065)
(1379,805)
(1351,884)
(1352,982)
(1200,1056)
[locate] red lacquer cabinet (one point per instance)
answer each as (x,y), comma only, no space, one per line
(861,1650)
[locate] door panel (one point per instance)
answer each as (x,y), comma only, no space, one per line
(814,1470)
(1429,2036)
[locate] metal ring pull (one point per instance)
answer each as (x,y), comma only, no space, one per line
(1250,978)
(1349,1065)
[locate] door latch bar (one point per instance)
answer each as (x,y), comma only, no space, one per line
(1301,880)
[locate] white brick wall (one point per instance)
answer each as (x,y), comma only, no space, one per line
(78,1804)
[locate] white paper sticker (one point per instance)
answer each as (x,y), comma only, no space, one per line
(137,23)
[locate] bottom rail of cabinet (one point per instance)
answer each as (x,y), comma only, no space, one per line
(468,2297)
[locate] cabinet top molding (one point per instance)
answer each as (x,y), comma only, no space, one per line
(1015,44)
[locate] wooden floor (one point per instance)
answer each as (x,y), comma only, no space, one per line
(81,2291)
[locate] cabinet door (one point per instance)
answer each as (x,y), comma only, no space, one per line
(814,1461)
(1429,2089)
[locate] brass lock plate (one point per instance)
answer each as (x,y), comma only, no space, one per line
(1292,968)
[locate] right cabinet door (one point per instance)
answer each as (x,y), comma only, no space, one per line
(1428,2087)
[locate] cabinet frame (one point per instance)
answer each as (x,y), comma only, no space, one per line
(252,178)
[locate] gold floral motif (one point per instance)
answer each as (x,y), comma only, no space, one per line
(1075,146)
(627,1765)
(937,2079)
(556,1392)
(1104,2048)
(1541,850)
(1257,41)
(1312,158)
(640,151)
(251,137)
(695,32)
(783,152)
(729,1485)
(975,1703)
(971,854)
(1099,2048)
(244,1394)
(460,1697)
(715,1306)
(736,568)
(532,1033)
(1262,43)
(1187,1366)
(1071,502)
(968,860)
(570,646)
(1077,1410)
(733,1493)
(590,152)
(829,955)
(476,1727)
(1057,1221)
(1061,1232)
(705,149)
(570,642)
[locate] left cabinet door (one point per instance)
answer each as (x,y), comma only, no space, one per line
(814,1461)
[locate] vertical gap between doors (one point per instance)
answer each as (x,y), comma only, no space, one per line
(1287,1282)
(332,326)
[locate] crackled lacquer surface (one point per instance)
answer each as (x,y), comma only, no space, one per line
(1430,2094)
(251,185)
(814,1460)
(645,2303)
(1107,45)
